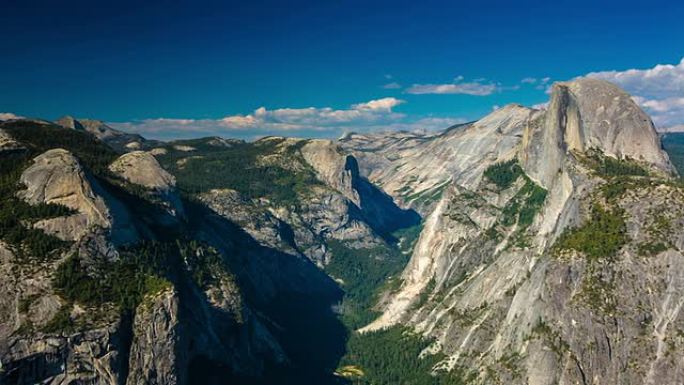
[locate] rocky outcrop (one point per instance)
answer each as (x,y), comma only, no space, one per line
(7,144)
(142,169)
(332,167)
(155,357)
(416,169)
(505,294)
(57,177)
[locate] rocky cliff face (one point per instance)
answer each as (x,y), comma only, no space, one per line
(416,169)
(557,267)
(335,201)
(105,290)
(56,177)
(142,169)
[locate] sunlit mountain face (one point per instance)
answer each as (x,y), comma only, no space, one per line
(352,193)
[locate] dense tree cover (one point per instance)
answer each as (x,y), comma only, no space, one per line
(503,174)
(391,357)
(204,262)
(366,272)
(241,167)
(362,272)
(600,237)
(125,282)
(38,138)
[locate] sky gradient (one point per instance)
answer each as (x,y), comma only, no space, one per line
(319,68)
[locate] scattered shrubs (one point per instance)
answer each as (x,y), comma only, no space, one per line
(608,166)
(503,174)
(25,303)
(524,206)
(241,167)
(649,249)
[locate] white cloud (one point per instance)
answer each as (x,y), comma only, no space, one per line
(659,90)
(392,86)
(9,116)
(477,87)
(373,115)
(528,80)
(384,104)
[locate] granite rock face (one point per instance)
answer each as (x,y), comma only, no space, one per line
(496,279)
(57,177)
(416,169)
(45,338)
(142,168)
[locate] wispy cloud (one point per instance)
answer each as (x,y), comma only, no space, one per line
(477,87)
(392,86)
(528,80)
(373,115)
(659,90)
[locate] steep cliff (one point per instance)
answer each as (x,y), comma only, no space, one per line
(100,288)
(142,169)
(416,169)
(558,263)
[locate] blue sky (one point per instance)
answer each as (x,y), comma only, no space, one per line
(318,68)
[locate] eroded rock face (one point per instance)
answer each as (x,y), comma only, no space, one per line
(332,166)
(141,168)
(57,177)
(7,144)
(505,305)
(416,169)
(155,355)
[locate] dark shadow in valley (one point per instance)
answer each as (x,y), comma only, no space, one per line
(288,294)
(379,209)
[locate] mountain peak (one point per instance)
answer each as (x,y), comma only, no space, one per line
(68,121)
(589,114)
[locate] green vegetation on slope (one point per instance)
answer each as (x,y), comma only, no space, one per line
(366,272)
(524,206)
(124,282)
(16,216)
(503,174)
(38,138)
(673,143)
(391,357)
(601,236)
(243,167)
(608,166)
